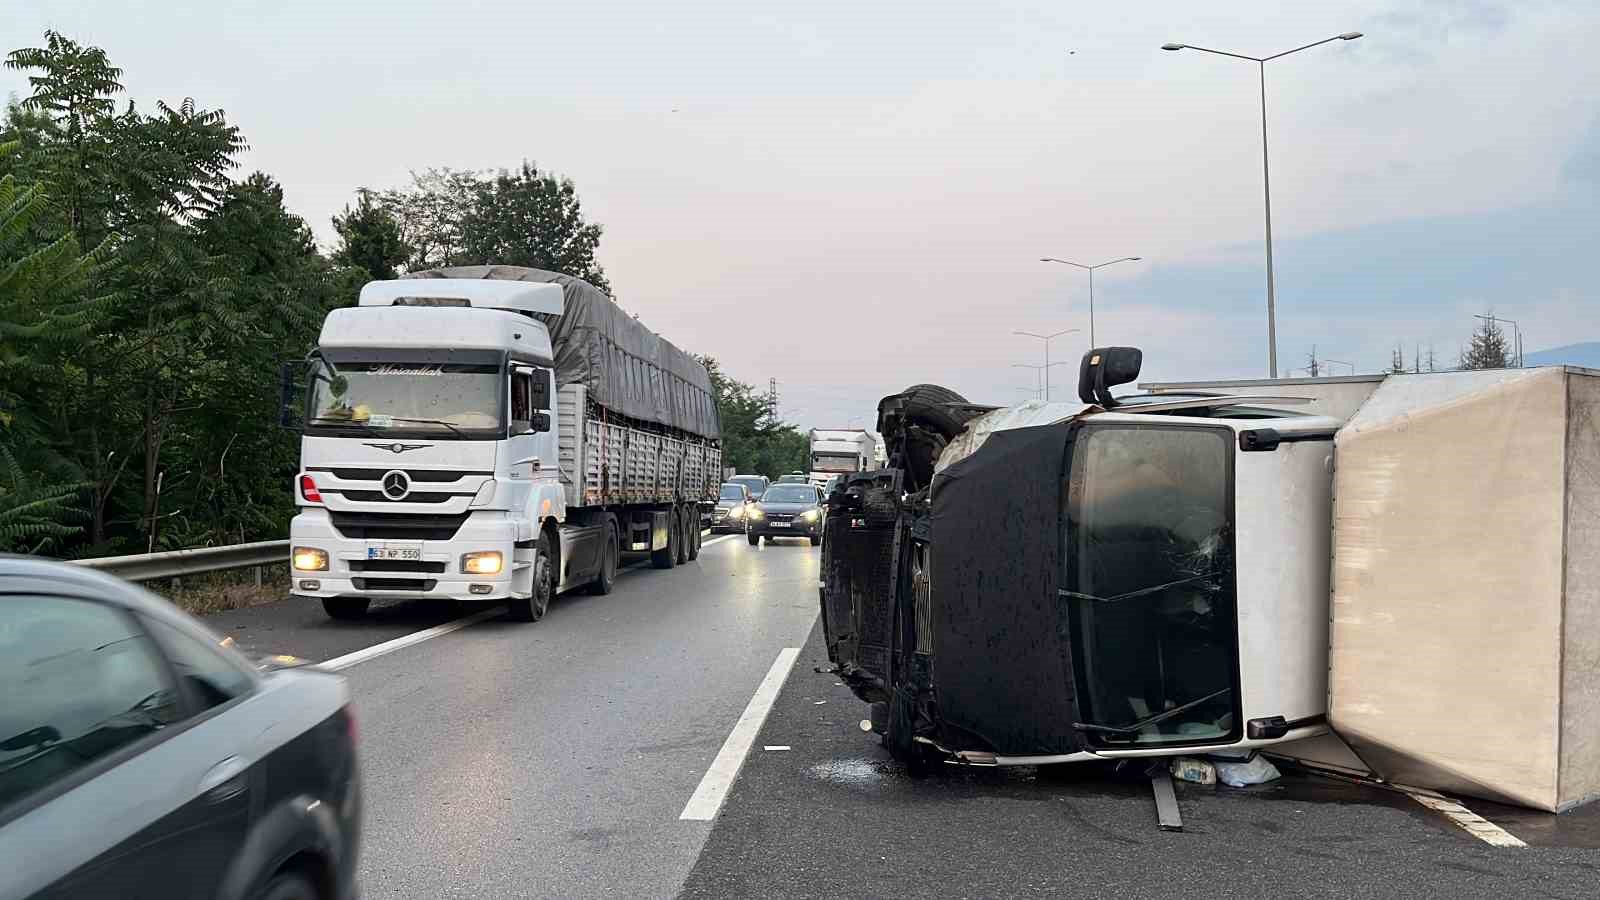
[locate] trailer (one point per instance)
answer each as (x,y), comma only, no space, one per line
(492,433)
(838,451)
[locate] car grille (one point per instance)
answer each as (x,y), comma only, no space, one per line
(397,565)
(394,584)
(389,526)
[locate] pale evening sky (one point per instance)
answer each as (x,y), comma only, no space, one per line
(851,197)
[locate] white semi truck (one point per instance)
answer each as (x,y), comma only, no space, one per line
(838,451)
(492,433)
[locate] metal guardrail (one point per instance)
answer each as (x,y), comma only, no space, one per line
(177,563)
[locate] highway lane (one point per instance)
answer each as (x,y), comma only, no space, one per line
(552,760)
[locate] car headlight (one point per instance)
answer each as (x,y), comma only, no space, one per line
(736,513)
(310,559)
(756,513)
(486,562)
(810,515)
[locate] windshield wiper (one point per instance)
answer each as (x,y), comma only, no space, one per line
(453,430)
(1147,721)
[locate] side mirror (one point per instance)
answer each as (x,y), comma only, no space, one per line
(538,386)
(1104,368)
(287,379)
(540,423)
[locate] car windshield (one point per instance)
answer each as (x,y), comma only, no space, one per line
(753,484)
(1149,584)
(732,492)
(451,399)
(790,493)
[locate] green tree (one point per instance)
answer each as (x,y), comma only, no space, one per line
(370,239)
(1488,348)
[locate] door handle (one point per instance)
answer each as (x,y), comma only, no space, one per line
(223,781)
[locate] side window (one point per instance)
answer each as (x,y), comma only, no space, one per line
(78,681)
(210,676)
(521,401)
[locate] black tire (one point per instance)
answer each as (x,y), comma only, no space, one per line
(533,607)
(345,608)
(607,577)
(696,539)
(667,557)
(925,405)
(755,539)
(287,886)
(816,540)
(684,540)
(770,540)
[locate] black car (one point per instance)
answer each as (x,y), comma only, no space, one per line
(786,510)
(141,757)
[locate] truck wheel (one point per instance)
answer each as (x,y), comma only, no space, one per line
(695,539)
(607,578)
(345,607)
(667,556)
(755,539)
(533,607)
(684,540)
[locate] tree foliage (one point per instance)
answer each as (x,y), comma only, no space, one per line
(755,441)
(524,217)
(370,239)
(1488,348)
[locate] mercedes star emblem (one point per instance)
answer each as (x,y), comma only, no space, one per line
(396,485)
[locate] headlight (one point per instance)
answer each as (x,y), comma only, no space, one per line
(310,559)
(756,513)
(486,562)
(736,513)
(810,515)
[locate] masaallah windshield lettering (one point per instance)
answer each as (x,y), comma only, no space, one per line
(405,370)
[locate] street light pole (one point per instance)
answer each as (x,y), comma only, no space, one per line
(1266,178)
(1043,376)
(1047,338)
(1091,281)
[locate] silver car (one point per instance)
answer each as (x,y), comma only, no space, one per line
(141,757)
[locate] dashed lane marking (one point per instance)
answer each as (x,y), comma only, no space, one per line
(1470,822)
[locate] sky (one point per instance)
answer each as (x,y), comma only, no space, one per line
(853,197)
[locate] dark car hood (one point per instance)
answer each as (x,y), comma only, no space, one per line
(786,508)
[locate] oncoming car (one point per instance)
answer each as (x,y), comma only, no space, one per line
(755,484)
(786,510)
(141,757)
(733,500)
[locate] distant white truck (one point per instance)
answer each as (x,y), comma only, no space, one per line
(840,451)
(492,433)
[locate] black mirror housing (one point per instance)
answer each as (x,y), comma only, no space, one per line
(288,377)
(1104,368)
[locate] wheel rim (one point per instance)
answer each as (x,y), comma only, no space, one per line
(541,584)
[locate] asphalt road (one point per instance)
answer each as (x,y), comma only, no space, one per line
(553,760)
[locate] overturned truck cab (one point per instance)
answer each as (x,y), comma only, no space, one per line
(1060,582)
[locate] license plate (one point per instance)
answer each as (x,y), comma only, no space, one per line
(411,553)
(780,524)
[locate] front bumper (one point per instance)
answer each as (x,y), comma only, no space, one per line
(721,521)
(351,574)
(796,528)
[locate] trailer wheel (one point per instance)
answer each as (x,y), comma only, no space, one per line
(684,540)
(607,577)
(667,556)
(345,607)
(533,607)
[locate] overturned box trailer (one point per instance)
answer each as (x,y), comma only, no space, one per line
(1149,576)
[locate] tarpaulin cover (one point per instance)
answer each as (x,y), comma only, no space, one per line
(1002,655)
(624,366)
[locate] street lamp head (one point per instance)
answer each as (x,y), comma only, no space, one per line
(1173,46)
(1349,35)
(1135,258)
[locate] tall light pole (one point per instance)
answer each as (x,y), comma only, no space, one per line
(1047,338)
(1266,179)
(1090,269)
(1043,379)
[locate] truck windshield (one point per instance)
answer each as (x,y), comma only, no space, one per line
(1149,584)
(452,399)
(835,462)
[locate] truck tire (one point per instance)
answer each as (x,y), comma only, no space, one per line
(755,539)
(667,556)
(345,607)
(606,578)
(684,539)
(533,607)
(696,537)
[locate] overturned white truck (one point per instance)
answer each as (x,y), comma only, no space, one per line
(1410,591)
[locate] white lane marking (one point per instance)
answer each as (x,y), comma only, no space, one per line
(415,637)
(1472,823)
(776,747)
(713,789)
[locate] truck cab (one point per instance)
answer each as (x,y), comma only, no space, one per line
(428,455)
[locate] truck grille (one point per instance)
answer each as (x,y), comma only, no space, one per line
(397,565)
(394,584)
(380,497)
(391,526)
(419,476)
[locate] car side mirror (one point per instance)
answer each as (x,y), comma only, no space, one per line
(1104,368)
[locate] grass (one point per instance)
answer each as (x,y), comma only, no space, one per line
(214,592)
